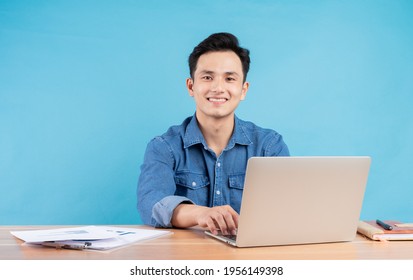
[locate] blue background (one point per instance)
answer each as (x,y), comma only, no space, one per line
(84,85)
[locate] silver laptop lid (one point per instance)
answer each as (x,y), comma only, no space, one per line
(299,200)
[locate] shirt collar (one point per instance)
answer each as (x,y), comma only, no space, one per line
(193,135)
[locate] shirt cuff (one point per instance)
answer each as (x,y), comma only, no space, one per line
(163,210)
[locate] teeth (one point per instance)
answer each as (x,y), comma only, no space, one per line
(217,99)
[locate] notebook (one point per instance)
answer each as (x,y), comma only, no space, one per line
(300,200)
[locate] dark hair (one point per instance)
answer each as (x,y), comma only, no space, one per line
(220,42)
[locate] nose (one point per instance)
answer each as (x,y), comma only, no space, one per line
(218,85)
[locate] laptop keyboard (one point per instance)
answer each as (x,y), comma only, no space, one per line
(230,236)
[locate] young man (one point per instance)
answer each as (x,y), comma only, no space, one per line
(194,173)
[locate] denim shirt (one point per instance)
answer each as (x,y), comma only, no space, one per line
(179,168)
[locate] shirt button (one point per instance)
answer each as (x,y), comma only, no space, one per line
(219,164)
(218,192)
(194,184)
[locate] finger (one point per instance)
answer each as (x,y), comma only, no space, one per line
(212,226)
(221,222)
(232,222)
(231,218)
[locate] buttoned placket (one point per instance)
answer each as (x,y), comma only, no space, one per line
(218,198)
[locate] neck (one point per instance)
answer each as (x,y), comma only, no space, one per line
(217,132)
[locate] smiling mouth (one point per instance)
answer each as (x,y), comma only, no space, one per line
(217,100)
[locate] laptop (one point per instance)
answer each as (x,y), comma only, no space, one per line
(300,200)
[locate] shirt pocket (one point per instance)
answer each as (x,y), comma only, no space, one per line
(236,187)
(193,186)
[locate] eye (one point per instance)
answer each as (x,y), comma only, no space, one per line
(206,78)
(230,79)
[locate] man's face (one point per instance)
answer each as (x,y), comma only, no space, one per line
(217,85)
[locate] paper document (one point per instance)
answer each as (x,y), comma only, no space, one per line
(125,236)
(88,237)
(78,233)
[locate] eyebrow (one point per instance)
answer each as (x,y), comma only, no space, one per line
(212,72)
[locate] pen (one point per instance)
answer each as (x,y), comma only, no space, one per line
(61,245)
(384,225)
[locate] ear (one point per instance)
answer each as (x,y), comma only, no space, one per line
(245,87)
(189,86)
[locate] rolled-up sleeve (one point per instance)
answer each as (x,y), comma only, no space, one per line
(156,186)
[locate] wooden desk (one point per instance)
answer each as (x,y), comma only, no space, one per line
(192,244)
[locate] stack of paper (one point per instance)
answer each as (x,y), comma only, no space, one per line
(88,237)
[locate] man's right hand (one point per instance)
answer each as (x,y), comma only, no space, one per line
(222,218)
